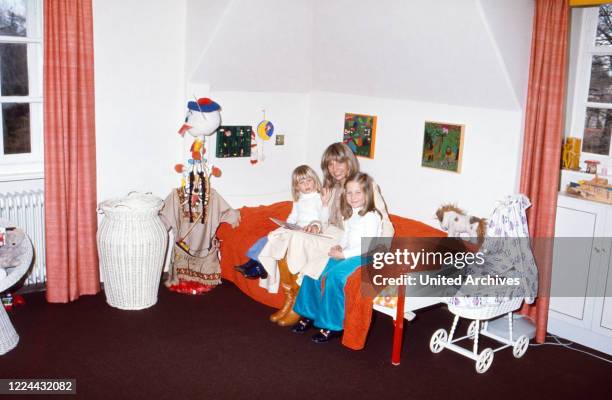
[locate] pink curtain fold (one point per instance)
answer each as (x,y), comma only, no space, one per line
(543,139)
(70,151)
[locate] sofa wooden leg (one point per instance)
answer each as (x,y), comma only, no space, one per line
(398,331)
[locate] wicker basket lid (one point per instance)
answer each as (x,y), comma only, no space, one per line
(134,201)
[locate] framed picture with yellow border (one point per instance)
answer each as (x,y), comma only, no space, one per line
(360,134)
(443,146)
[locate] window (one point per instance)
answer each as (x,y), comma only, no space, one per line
(21,137)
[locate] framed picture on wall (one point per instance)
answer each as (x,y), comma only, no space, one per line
(360,134)
(234,141)
(443,146)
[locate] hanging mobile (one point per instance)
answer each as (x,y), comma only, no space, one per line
(265,130)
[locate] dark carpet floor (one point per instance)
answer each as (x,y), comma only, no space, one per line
(221,346)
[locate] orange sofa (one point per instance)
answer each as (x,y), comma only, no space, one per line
(255,223)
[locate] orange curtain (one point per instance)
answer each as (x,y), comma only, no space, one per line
(543,138)
(70,152)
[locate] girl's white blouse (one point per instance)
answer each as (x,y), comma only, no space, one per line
(306,210)
(357,227)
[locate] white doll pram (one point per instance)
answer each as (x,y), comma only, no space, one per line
(506,252)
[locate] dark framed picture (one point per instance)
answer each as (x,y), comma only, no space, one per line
(234,141)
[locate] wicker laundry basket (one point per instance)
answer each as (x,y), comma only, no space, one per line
(15,261)
(8,335)
(132,243)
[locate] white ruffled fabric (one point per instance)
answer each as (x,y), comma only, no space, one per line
(510,257)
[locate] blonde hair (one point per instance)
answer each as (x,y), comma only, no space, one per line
(301,172)
(366,183)
(340,153)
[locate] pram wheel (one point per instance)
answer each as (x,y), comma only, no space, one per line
(471,332)
(438,340)
(520,346)
(484,361)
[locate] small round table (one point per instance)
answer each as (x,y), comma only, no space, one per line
(15,258)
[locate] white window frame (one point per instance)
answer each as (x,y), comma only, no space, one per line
(28,165)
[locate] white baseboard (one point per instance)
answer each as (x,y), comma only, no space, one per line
(580,335)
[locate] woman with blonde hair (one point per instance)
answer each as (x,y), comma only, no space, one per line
(338,164)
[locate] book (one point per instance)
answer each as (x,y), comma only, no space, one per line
(295,227)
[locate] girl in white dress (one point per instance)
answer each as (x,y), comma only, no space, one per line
(307,209)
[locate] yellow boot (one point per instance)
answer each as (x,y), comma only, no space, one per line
(291,318)
(285,316)
(286,307)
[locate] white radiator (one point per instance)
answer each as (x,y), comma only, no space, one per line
(27,211)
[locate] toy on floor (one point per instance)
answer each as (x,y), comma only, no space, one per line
(9,300)
(507,254)
(455,221)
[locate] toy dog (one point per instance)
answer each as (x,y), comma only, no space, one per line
(458,224)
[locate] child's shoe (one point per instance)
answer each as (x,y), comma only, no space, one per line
(256,272)
(244,267)
(325,335)
(302,326)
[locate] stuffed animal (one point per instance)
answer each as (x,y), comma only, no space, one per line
(202,119)
(458,224)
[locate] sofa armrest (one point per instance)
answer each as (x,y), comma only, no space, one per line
(254,223)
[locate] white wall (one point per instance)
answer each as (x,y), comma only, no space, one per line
(19,185)
(509,27)
(488,173)
(203,19)
(436,51)
(246,45)
(139,73)
(269,180)
(238,45)
(470,52)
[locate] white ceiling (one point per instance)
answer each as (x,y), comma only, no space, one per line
(462,52)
